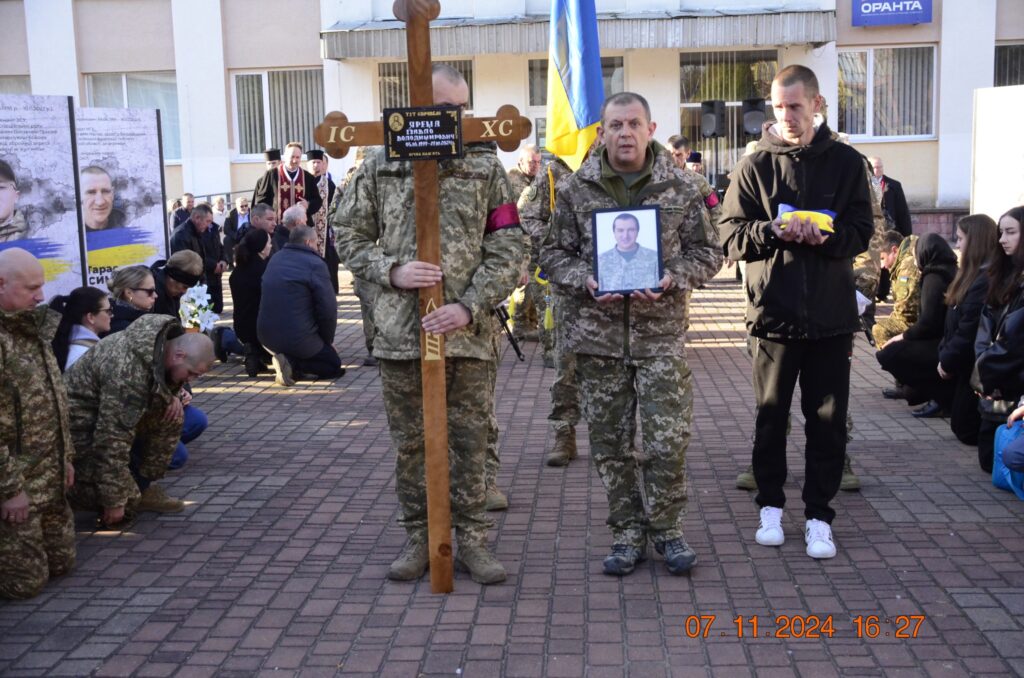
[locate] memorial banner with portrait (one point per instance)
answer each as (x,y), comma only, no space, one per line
(38,205)
(120,167)
(627,250)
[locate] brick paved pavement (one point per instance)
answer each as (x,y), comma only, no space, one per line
(277,566)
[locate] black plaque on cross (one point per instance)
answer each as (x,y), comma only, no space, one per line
(337,135)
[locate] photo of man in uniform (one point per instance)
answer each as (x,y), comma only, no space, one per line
(13,225)
(629,265)
(98,210)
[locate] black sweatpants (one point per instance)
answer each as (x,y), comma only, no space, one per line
(326,363)
(822,367)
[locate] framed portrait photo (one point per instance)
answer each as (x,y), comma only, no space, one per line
(627,250)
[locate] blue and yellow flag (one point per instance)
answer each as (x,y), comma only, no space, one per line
(575,90)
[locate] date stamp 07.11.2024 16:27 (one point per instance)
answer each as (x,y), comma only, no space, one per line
(905,626)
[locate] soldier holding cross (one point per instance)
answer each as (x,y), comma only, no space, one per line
(482,250)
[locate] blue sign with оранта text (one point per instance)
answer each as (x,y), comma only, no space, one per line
(891,12)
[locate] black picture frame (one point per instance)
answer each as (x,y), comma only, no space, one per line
(648,272)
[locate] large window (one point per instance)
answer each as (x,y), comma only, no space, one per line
(886,92)
(612,82)
(731,77)
(1009,65)
(141,90)
(273,108)
(15,84)
(393,80)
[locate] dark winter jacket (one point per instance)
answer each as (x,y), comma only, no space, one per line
(124,315)
(937,264)
(186,237)
(798,291)
(298,312)
(956,352)
(246,290)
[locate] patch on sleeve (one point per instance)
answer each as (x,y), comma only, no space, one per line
(502,216)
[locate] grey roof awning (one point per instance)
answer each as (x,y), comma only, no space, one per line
(529,34)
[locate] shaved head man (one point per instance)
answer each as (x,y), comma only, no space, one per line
(21,280)
(35,470)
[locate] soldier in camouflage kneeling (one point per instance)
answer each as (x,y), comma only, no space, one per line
(37,531)
(126,415)
(629,349)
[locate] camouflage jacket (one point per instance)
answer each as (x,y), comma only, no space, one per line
(118,392)
(689,249)
(483,246)
(519,181)
(537,202)
(906,283)
(709,196)
(35,438)
(867,266)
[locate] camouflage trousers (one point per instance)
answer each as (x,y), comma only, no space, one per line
(887,328)
(492,461)
(466,379)
(661,389)
(367,293)
(565,395)
(34,551)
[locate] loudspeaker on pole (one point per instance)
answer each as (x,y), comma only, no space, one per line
(712,119)
(753,116)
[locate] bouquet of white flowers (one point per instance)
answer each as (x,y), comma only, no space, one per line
(196,310)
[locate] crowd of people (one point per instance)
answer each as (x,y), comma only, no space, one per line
(822,233)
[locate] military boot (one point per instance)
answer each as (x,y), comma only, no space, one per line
(745,480)
(411,563)
(850,481)
(155,500)
(482,566)
(564,449)
(496,499)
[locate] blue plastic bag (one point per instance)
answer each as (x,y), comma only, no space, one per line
(1002,477)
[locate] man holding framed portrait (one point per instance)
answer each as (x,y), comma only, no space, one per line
(627,330)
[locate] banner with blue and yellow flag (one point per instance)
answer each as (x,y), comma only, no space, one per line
(38,202)
(575,89)
(121,185)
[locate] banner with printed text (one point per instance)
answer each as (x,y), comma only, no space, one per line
(38,206)
(120,182)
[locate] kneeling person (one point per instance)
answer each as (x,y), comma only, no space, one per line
(126,417)
(298,311)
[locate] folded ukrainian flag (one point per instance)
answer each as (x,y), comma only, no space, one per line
(820,218)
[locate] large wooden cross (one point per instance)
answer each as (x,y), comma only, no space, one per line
(337,135)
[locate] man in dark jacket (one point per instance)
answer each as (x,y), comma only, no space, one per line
(235,226)
(190,236)
(803,309)
(894,202)
(298,312)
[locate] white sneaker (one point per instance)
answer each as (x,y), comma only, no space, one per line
(769,533)
(818,535)
(282,370)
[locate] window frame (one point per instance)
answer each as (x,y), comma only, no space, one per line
(995,58)
(236,155)
(869,137)
(124,102)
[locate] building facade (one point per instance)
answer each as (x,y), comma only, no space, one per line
(232,77)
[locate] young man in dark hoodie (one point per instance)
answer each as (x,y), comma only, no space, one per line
(802,310)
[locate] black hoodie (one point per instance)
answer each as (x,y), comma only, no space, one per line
(798,291)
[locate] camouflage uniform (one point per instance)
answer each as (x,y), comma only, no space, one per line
(630,354)
(492,462)
(34,445)
(118,395)
(616,272)
(528,312)
(535,205)
(482,250)
(867,266)
(906,294)
(714,207)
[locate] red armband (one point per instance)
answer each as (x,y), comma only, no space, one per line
(712,200)
(502,216)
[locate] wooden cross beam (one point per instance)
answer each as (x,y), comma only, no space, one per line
(337,135)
